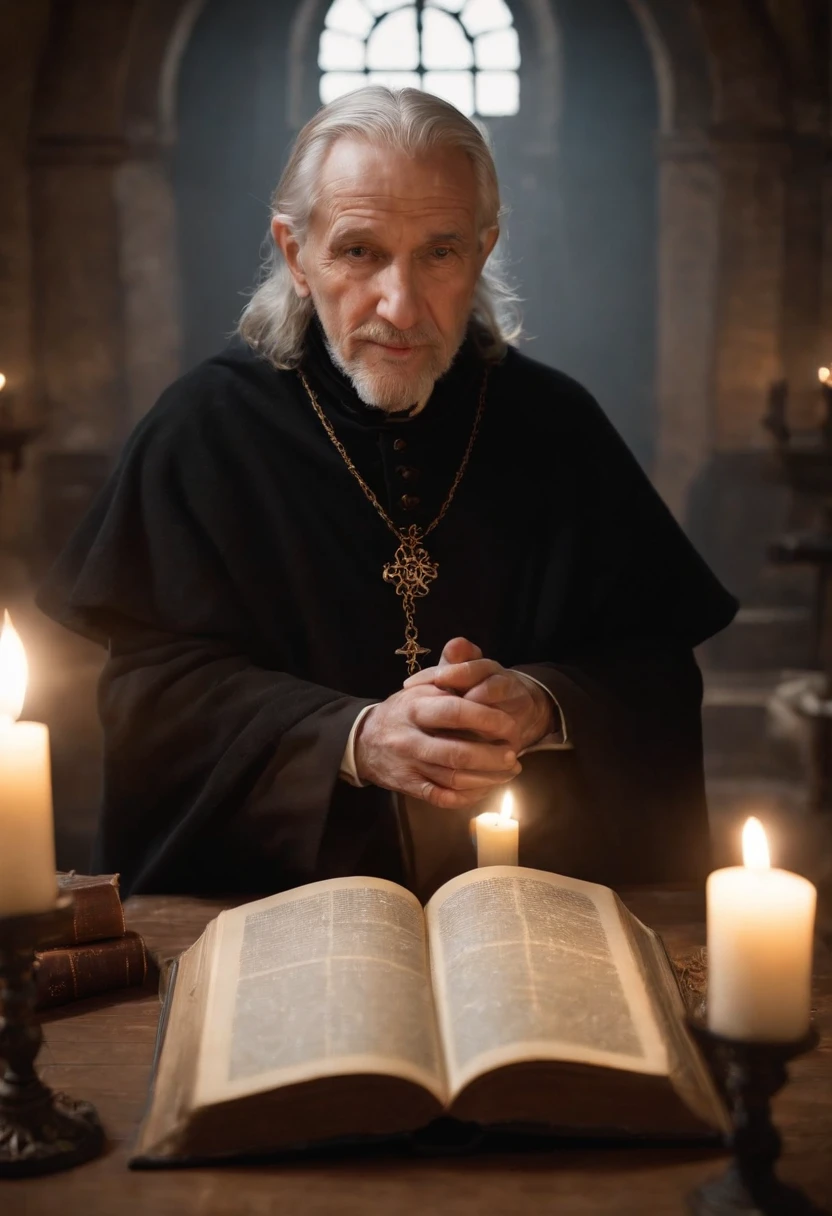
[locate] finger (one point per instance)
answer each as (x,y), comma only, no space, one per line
(457,677)
(464,754)
(462,676)
(467,779)
(452,800)
(426,676)
(456,714)
(459,650)
(497,690)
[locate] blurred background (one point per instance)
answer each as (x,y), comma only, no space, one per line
(667,172)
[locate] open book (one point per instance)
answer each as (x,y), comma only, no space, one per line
(516,998)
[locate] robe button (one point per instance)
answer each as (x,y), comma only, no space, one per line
(407,474)
(399,445)
(410,501)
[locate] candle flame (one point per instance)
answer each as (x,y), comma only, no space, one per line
(754,845)
(2,382)
(14,672)
(507,809)
(823,374)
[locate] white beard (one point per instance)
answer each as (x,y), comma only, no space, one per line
(389,391)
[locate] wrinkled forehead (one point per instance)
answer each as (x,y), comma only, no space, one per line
(361,179)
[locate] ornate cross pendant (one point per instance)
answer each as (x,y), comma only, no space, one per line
(411,572)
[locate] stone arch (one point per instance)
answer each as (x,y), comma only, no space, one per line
(97,164)
(534,18)
(688,247)
(681,64)
(717,72)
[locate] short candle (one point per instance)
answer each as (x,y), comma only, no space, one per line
(498,835)
(760,926)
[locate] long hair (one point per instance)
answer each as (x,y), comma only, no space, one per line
(275,319)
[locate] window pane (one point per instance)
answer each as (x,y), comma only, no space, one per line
(394,43)
(395,80)
(336,84)
(385,6)
(351,17)
(455,87)
(499,49)
(444,44)
(453,6)
(498,93)
(481,15)
(340,51)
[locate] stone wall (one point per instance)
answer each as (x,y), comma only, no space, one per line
(89,293)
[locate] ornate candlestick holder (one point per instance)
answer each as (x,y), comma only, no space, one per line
(40,1131)
(748,1075)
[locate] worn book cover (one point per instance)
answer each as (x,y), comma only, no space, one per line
(69,973)
(97,912)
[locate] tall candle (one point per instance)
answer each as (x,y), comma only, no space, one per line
(27,843)
(760,925)
(498,835)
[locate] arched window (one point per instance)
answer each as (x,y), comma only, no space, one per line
(463,50)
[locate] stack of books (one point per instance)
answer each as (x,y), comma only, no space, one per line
(97,953)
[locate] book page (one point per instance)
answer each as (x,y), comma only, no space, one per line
(531,965)
(687,1070)
(328,979)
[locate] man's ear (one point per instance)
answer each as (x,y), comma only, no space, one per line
(488,241)
(287,242)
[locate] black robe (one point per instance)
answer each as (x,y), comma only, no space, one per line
(234,567)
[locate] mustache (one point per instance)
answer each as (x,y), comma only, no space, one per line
(396,337)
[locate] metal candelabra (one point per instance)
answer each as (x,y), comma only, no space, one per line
(40,1131)
(749,1074)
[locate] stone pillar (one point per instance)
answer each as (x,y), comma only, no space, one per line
(23,30)
(107,331)
(749,349)
(688,266)
(79,319)
(766,327)
(149,281)
(805,345)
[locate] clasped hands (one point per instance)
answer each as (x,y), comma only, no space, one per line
(454,731)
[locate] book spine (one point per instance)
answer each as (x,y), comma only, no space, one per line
(97,913)
(72,972)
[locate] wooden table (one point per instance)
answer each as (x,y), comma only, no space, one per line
(101,1050)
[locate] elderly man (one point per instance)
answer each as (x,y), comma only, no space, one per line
(370,478)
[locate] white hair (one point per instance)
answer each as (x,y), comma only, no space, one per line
(275,319)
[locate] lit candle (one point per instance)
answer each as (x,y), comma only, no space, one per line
(760,925)
(27,844)
(498,835)
(823,375)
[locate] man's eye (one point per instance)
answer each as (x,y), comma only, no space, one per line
(356,251)
(442,252)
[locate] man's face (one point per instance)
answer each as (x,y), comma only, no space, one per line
(391,260)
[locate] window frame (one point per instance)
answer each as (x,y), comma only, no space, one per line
(473,71)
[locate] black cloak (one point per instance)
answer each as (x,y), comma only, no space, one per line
(234,568)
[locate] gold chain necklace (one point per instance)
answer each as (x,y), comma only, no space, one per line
(411,571)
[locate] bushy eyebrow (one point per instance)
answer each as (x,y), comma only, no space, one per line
(357,236)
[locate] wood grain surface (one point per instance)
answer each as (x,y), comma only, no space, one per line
(101,1049)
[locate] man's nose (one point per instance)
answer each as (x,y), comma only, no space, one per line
(398,302)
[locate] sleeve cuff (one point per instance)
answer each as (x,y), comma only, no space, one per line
(556,740)
(348,771)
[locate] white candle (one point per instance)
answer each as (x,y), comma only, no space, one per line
(760,926)
(498,835)
(27,844)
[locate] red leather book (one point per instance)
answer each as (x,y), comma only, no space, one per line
(97,910)
(72,972)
